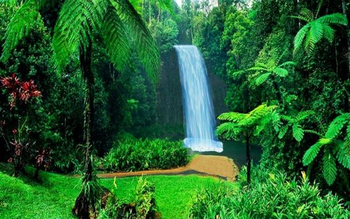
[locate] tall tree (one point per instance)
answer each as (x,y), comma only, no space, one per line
(119,25)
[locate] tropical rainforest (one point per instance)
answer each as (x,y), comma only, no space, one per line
(90,90)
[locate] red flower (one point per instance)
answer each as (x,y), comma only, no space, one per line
(14,131)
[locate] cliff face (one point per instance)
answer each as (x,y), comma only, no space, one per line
(169,93)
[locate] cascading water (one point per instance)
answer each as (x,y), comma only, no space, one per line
(197,102)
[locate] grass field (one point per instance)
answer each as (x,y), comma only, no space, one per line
(54,196)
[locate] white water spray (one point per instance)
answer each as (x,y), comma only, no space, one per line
(197,101)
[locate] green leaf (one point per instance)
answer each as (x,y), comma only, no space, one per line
(299,38)
(298,132)
(283,131)
(311,153)
(336,125)
(329,168)
(343,155)
(280,72)
(262,78)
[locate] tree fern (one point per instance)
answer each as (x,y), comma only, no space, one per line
(316,29)
(74,28)
(329,168)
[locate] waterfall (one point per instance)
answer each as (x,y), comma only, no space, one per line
(197,101)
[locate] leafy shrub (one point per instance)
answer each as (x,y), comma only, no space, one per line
(145,201)
(269,196)
(134,155)
(145,206)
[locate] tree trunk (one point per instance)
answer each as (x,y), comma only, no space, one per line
(248,159)
(84,200)
(348,31)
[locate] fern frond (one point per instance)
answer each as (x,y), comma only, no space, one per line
(343,154)
(73,30)
(313,132)
(298,132)
(281,72)
(312,152)
(303,115)
(276,120)
(335,18)
(145,45)
(232,116)
(228,130)
(262,78)
(20,26)
(299,38)
(329,168)
(283,131)
(336,125)
(328,32)
(116,39)
(257,68)
(288,63)
(309,15)
(316,32)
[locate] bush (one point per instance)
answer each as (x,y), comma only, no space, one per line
(144,208)
(135,155)
(269,197)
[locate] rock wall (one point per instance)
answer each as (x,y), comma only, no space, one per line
(169,93)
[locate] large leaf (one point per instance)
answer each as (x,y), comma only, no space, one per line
(312,152)
(262,78)
(329,168)
(283,131)
(298,132)
(281,72)
(343,155)
(116,39)
(299,38)
(336,125)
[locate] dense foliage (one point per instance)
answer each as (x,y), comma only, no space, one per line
(134,155)
(270,195)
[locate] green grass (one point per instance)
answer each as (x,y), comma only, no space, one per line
(54,196)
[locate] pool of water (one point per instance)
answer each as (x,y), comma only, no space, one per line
(237,151)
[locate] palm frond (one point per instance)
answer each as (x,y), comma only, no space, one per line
(145,45)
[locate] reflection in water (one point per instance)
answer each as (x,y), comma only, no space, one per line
(237,151)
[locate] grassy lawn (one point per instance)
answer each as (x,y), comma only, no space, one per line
(54,196)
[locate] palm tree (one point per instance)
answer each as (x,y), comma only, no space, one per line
(316,28)
(120,26)
(243,126)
